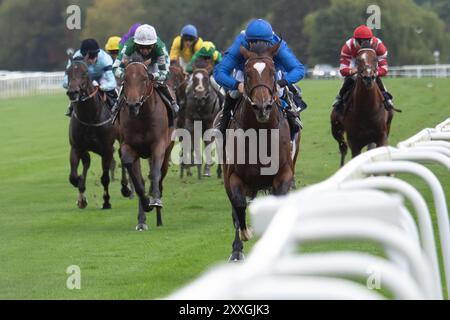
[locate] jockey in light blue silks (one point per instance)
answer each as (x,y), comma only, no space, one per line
(99,65)
(230,75)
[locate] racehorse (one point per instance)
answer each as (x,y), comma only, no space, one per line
(365,120)
(90,130)
(144,133)
(258,109)
(177,82)
(202,105)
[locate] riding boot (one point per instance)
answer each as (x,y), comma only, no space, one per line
(226,113)
(338,104)
(387,97)
(174,108)
(111,99)
(69,110)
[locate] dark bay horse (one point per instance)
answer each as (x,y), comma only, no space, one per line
(202,106)
(90,130)
(178,82)
(259,109)
(365,120)
(144,133)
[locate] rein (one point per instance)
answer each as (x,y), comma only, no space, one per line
(147,94)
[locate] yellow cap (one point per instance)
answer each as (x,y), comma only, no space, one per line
(112,44)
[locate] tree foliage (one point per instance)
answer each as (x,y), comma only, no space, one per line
(36,36)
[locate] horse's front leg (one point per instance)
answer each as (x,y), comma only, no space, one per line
(79,181)
(107,160)
(130,160)
(156,175)
(236,194)
(283,181)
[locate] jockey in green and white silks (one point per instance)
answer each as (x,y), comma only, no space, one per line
(152,50)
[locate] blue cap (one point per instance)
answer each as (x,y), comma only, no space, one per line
(259,29)
(189,30)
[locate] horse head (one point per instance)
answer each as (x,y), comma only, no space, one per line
(177,76)
(260,83)
(136,85)
(201,85)
(367,64)
(79,84)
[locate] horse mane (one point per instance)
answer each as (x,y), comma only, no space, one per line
(260,48)
(201,63)
(136,57)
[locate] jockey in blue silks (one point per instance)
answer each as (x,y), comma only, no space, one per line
(99,65)
(229,73)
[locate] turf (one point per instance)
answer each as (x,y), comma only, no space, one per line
(42,232)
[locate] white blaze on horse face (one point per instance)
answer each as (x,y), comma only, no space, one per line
(200,87)
(259,66)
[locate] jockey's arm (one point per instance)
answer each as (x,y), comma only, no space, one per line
(189,67)
(382,54)
(108,80)
(217,58)
(163,63)
(345,61)
(66,78)
(295,69)
(223,71)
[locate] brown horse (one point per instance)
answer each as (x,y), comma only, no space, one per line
(178,82)
(259,109)
(90,130)
(202,106)
(365,120)
(144,133)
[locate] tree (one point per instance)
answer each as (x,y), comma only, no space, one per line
(410,32)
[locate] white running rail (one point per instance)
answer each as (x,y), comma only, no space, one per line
(358,203)
(13,84)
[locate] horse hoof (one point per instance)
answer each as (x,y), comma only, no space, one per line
(146,205)
(106,206)
(156,203)
(126,192)
(236,257)
(82,203)
(141,227)
(245,234)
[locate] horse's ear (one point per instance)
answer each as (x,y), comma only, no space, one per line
(274,49)
(245,53)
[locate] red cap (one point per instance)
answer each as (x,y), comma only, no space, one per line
(363,32)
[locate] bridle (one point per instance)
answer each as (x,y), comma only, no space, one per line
(359,74)
(147,81)
(248,91)
(82,98)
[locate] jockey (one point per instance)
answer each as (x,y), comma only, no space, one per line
(112,47)
(149,46)
(185,45)
(362,38)
(99,68)
(230,75)
(209,53)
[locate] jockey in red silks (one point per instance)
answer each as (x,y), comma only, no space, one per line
(362,38)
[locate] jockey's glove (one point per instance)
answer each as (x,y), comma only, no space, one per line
(282,83)
(95,83)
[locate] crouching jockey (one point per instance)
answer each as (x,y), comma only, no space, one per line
(229,73)
(99,69)
(362,38)
(185,46)
(149,46)
(211,57)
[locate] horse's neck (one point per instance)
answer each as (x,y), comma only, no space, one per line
(366,99)
(247,118)
(89,110)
